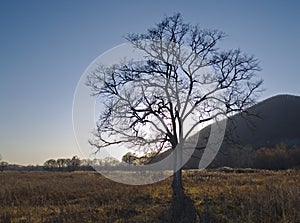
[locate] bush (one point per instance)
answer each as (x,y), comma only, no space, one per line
(277,158)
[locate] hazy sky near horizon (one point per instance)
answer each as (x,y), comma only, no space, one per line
(45,46)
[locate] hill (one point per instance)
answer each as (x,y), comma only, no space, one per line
(271,122)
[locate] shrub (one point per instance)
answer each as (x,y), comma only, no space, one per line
(278,158)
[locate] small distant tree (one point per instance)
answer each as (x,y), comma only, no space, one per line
(3,165)
(50,164)
(61,163)
(75,163)
(132,158)
(95,162)
(165,91)
(111,161)
(129,158)
(68,163)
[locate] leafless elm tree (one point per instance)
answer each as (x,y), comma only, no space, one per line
(185,76)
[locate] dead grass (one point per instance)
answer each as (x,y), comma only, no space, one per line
(263,196)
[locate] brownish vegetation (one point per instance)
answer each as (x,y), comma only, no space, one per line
(278,158)
(237,196)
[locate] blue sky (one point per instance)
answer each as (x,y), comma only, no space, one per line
(45,46)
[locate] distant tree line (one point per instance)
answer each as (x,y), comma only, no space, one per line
(67,164)
(278,157)
(62,164)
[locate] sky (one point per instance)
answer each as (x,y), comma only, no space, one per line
(45,46)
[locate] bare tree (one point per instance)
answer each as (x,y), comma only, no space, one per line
(61,163)
(148,103)
(68,162)
(130,158)
(50,164)
(75,163)
(3,164)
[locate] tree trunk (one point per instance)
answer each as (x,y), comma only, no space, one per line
(177,184)
(177,208)
(182,207)
(177,175)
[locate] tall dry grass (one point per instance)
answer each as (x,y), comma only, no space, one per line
(262,196)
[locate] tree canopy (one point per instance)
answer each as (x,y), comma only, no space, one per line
(184,81)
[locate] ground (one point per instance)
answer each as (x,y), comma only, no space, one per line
(218,196)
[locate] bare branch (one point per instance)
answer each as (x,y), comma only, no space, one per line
(184,76)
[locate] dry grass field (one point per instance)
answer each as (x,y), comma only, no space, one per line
(260,196)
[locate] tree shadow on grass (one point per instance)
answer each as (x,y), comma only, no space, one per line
(183,212)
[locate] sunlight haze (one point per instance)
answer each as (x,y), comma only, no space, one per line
(47,45)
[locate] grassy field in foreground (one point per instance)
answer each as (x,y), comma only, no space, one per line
(263,196)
